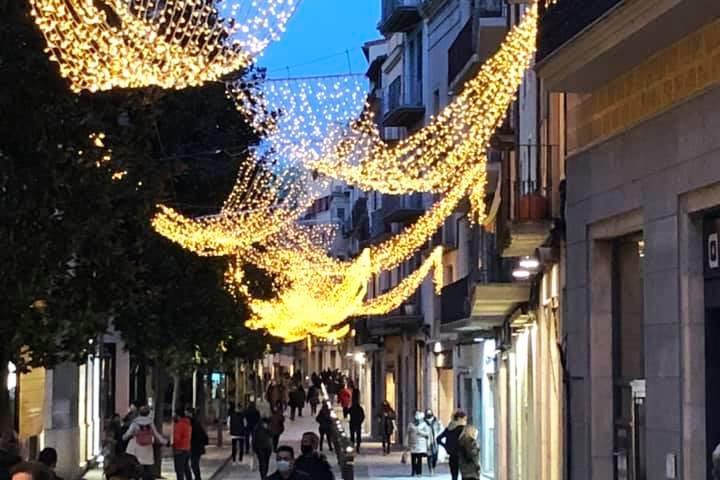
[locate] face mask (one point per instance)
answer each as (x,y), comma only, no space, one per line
(306,449)
(283,466)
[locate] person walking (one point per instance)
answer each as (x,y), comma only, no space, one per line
(297,402)
(313,398)
(277,425)
(469,453)
(435,429)
(449,440)
(386,419)
(182,434)
(357,417)
(285,461)
(198,441)
(252,418)
(345,400)
(237,427)
(142,435)
(325,422)
(418,441)
(263,446)
(310,461)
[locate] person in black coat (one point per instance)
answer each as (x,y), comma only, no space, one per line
(449,439)
(252,418)
(310,461)
(263,446)
(198,441)
(285,461)
(357,417)
(325,422)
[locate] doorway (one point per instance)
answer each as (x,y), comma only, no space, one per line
(712,381)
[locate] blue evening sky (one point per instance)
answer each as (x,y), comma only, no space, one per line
(321,29)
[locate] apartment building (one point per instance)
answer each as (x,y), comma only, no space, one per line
(638,86)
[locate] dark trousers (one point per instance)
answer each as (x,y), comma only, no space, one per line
(276,441)
(195,467)
(148,473)
(417,461)
(355,436)
(386,443)
(238,449)
(181,464)
(346,412)
(294,410)
(454,467)
(263,457)
(323,436)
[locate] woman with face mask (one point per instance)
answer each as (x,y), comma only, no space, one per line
(436,429)
(418,442)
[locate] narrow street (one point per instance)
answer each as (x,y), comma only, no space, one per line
(370,464)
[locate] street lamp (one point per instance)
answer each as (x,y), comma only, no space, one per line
(529,263)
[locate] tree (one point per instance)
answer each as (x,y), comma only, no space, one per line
(81,176)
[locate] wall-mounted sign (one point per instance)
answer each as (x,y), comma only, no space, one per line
(712,249)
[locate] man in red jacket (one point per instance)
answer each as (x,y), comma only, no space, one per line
(182,433)
(345,399)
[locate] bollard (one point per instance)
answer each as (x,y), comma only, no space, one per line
(219,433)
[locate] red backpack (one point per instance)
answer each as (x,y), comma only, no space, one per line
(144,436)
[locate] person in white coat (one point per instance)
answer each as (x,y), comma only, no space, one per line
(418,442)
(143,435)
(436,429)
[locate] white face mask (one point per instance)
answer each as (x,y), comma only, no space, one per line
(283,466)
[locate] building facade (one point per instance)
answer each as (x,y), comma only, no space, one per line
(640,87)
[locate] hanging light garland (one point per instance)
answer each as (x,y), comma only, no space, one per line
(105,44)
(318,293)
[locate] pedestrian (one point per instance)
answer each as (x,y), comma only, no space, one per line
(469,453)
(263,446)
(435,430)
(142,435)
(182,435)
(449,440)
(418,441)
(237,427)
(285,461)
(310,461)
(277,426)
(48,456)
(252,418)
(345,400)
(386,419)
(9,453)
(325,422)
(198,441)
(31,471)
(273,394)
(123,466)
(357,417)
(297,402)
(313,398)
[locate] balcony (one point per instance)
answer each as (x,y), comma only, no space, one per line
(583,45)
(402,208)
(477,41)
(469,306)
(403,106)
(399,16)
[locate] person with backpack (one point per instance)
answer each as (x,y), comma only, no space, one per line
(449,439)
(198,441)
(238,431)
(142,435)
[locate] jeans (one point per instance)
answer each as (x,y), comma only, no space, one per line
(417,461)
(181,464)
(386,443)
(238,449)
(263,457)
(454,467)
(432,459)
(355,436)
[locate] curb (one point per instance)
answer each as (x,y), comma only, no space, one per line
(220,469)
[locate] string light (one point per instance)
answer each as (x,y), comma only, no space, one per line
(105,44)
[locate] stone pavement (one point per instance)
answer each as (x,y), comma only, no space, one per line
(370,464)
